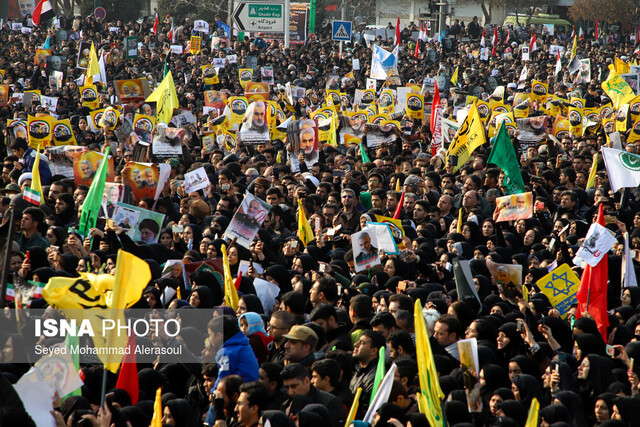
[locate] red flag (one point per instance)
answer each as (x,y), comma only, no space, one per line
(592,293)
(506,40)
(637,35)
(42,13)
(396,214)
(398,37)
(436,120)
(596,32)
(155,24)
(238,280)
(482,42)
(128,376)
(171,35)
(494,40)
(532,43)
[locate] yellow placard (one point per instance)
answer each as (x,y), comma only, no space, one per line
(560,286)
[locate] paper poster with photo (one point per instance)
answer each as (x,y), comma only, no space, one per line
(196,180)
(146,179)
(267,292)
(351,128)
(303,136)
(514,207)
(384,237)
(177,49)
(508,278)
(332,82)
(167,143)
(84,53)
(365,251)
(143,127)
(113,193)
(597,243)
(183,119)
(247,220)
(379,134)
(40,131)
(533,129)
(256,91)
(86,164)
(132,90)
(61,158)
(245,75)
(63,133)
(266,75)
(143,225)
(216,99)
(255,129)
(468,351)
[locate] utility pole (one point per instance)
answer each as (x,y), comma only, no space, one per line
(287,17)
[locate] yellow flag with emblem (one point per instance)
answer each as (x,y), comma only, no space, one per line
(617,88)
(431,395)
(94,296)
(165,98)
(230,292)
(156,421)
(621,66)
(469,137)
(305,234)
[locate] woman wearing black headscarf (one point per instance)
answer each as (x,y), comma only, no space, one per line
(594,376)
(627,410)
(206,278)
(525,388)
(584,344)
(603,408)
(509,342)
(574,403)
(278,275)
(180,414)
(276,418)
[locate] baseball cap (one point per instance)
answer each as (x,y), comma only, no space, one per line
(412,180)
(302,333)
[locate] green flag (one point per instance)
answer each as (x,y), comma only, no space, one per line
(503,155)
(363,154)
(93,201)
(380,371)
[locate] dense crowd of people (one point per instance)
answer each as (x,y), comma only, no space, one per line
(301,360)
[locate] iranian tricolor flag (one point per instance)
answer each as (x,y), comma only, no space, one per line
(32,196)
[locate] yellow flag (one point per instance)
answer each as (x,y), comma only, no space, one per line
(398,185)
(93,67)
(36,184)
(156,421)
(469,137)
(591,182)
(333,141)
(230,291)
(621,66)
(459,225)
(304,228)
(574,48)
(427,374)
(354,408)
(454,78)
(165,98)
(617,88)
(532,418)
(132,276)
(90,297)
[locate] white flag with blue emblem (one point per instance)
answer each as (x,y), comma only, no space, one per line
(383,63)
(623,168)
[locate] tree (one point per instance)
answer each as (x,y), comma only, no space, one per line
(619,11)
(194,9)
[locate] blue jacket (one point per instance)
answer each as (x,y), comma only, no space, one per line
(28,160)
(236,358)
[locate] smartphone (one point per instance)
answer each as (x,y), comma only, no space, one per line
(177,229)
(524,155)
(611,351)
(519,326)
(322,268)
(109,397)
(347,167)
(55,248)
(225,187)
(339,173)
(540,206)
(294,244)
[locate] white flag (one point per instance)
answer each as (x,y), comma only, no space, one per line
(558,66)
(382,395)
(383,63)
(523,74)
(623,168)
(628,272)
(597,243)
